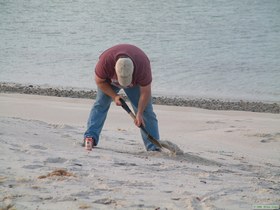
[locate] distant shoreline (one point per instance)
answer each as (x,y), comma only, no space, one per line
(212,104)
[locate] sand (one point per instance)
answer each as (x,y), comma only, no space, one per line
(230,159)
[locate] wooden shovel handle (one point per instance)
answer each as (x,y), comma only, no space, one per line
(128,110)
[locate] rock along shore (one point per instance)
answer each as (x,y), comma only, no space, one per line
(213,104)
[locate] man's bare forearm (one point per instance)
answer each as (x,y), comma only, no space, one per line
(107,89)
(145,96)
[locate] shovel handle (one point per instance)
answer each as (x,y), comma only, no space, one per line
(128,110)
(124,106)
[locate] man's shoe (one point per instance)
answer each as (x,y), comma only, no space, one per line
(89,139)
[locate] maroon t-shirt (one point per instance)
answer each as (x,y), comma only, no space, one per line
(105,67)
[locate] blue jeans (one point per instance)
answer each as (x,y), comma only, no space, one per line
(100,109)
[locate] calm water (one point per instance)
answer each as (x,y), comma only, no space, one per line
(223,49)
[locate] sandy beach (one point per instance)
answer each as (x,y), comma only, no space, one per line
(231,159)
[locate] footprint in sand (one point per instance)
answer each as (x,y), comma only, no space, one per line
(83,194)
(65,136)
(267,137)
(214,122)
(55,160)
(32,166)
(39,147)
(124,164)
(105,201)
(271,138)
(132,142)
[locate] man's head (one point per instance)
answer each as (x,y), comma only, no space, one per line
(124,70)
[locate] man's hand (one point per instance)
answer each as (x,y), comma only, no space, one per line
(117,100)
(145,96)
(139,120)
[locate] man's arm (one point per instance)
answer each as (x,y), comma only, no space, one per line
(107,89)
(145,96)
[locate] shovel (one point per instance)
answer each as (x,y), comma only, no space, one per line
(152,139)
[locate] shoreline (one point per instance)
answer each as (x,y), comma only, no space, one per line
(210,104)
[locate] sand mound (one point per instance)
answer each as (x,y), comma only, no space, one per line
(173,148)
